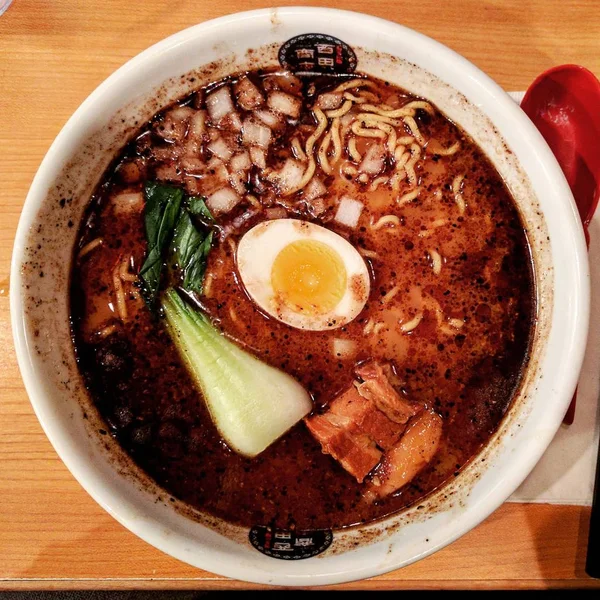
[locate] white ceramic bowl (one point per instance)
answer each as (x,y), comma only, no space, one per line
(82,151)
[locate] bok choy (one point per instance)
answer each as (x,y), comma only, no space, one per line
(251,403)
(190,250)
(160,216)
(173,235)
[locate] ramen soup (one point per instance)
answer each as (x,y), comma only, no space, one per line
(302,300)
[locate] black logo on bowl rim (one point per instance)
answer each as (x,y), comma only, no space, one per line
(289,544)
(317,54)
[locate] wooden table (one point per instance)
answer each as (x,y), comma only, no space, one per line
(52,55)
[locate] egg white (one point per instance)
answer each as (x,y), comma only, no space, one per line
(257,251)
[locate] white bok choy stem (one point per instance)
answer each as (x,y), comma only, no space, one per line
(252,404)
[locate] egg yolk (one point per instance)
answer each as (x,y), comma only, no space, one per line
(309,277)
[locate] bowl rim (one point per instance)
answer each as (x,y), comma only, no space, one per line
(574,346)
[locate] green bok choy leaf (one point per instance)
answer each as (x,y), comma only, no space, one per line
(173,235)
(160,215)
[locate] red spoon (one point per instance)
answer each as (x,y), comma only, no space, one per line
(564,104)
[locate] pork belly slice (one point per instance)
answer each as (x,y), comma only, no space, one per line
(408,457)
(357,453)
(376,387)
(355,430)
(361,415)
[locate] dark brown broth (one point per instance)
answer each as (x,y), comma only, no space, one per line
(469,377)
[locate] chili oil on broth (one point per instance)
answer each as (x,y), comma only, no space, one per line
(450,303)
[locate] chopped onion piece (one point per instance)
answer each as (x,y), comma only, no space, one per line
(329,101)
(345,123)
(277,212)
(193,186)
(131,171)
(289,176)
(316,207)
(221,149)
(285,104)
(269,118)
(166,153)
(394,101)
(173,127)
(315,188)
(247,94)
(233,121)
(124,204)
(217,169)
(348,212)
(219,104)
(222,201)
(283,81)
(240,162)
(343,348)
(192,165)
(373,161)
(238,181)
(168,172)
(242,219)
(258,157)
(197,124)
(180,113)
(254,134)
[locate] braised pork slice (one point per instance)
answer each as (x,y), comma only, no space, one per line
(363,422)
(376,387)
(408,457)
(356,452)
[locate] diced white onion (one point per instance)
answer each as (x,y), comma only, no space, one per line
(180,113)
(235,122)
(346,120)
(258,157)
(193,165)
(317,207)
(240,162)
(373,161)
(168,172)
(393,100)
(254,134)
(248,95)
(124,204)
(242,219)
(238,181)
(193,186)
(343,348)
(277,212)
(282,81)
(222,201)
(166,153)
(219,171)
(172,128)
(315,188)
(197,124)
(329,101)
(219,104)
(221,149)
(348,212)
(289,176)
(285,104)
(269,118)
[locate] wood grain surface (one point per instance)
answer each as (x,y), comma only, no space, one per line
(53,53)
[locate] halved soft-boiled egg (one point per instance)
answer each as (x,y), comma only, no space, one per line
(303,274)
